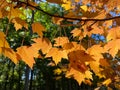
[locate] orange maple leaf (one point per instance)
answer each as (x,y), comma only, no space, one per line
(89,30)
(42,44)
(78,76)
(114,33)
(96,52)
(8,52)
(57,54)
(77,33)
(3,41)
(19,23)
(112,47)
(27,54)
(60,41)
(38,28)
(13,12)
(78,60)
(104,63)
(72,46)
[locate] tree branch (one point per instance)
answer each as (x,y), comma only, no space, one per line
(88,19)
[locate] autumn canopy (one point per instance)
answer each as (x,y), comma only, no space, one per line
(91,44)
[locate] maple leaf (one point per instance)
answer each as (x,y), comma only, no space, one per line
(114,33)
(8,52)
(67,5)
(60,41)
(3,41)
(96,52)
(38,28)
(13,12)
(89,30)
(27,54)
(19,23)
(72,46)
(112,47)
(104,62)
(95,66)
(57,54)
(57,20)
(77,33)
(78,76)
(78,58)
(42,44)
(107,82)
(84,7)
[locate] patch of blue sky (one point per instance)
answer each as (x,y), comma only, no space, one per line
(98,37)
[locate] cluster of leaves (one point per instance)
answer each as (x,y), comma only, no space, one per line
(88,36)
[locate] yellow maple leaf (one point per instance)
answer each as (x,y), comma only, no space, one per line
(84,7)
(67,5)
(57,71)
(38,28)
(19,23)
(27,54)
(57,54)
(107,82)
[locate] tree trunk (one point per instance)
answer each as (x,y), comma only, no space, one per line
(26,87)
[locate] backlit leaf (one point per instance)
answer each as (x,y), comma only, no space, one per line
(84,7)
(78,58)
(27,54)
(42,44)
(8,52)
(78,76)
(107,82)
(114,33)
(38,28)
(60,41)
(112,47)
(19,23)
(57,54)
